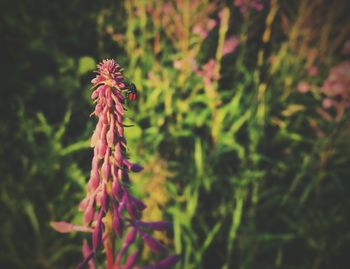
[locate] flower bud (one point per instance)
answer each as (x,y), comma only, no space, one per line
(97,233)
(153,244)
(131,260)
(117,223)
(132,166)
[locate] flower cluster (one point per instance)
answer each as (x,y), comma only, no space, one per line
(336,87)
(110,210)
(245,5)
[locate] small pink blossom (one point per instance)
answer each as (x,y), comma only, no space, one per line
(230,45)
(328,103)
(312,70)
(338,81)
(346,48)
(303,87)
(181,64)
(109,73)
(337,88)
(245,5)
(204,27)
(208,72)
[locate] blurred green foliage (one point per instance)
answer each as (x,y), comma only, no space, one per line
(256,171)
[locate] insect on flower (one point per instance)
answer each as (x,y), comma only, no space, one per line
(131,90)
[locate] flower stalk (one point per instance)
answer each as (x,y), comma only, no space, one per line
(111,212)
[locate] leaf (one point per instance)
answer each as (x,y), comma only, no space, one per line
(86,64)
(29,209)
(198,157)
(292,109)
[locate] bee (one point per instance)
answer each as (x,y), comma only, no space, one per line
(130,89)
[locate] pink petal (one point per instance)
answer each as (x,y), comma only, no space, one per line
(97,232)
(117,223)
(303,87)
(230,45)
(131,260)
(132,166)
(83,264)
(138,204)
(94,180)
(129,239)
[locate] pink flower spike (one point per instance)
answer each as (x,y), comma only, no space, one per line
(66,227)
(109,207)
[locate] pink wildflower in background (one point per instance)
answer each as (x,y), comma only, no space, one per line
(110,210)
(203,28)
(208,72)
(337,88)
(303,87)
(346,48)
(245,5)
(230,45)
(312,71)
